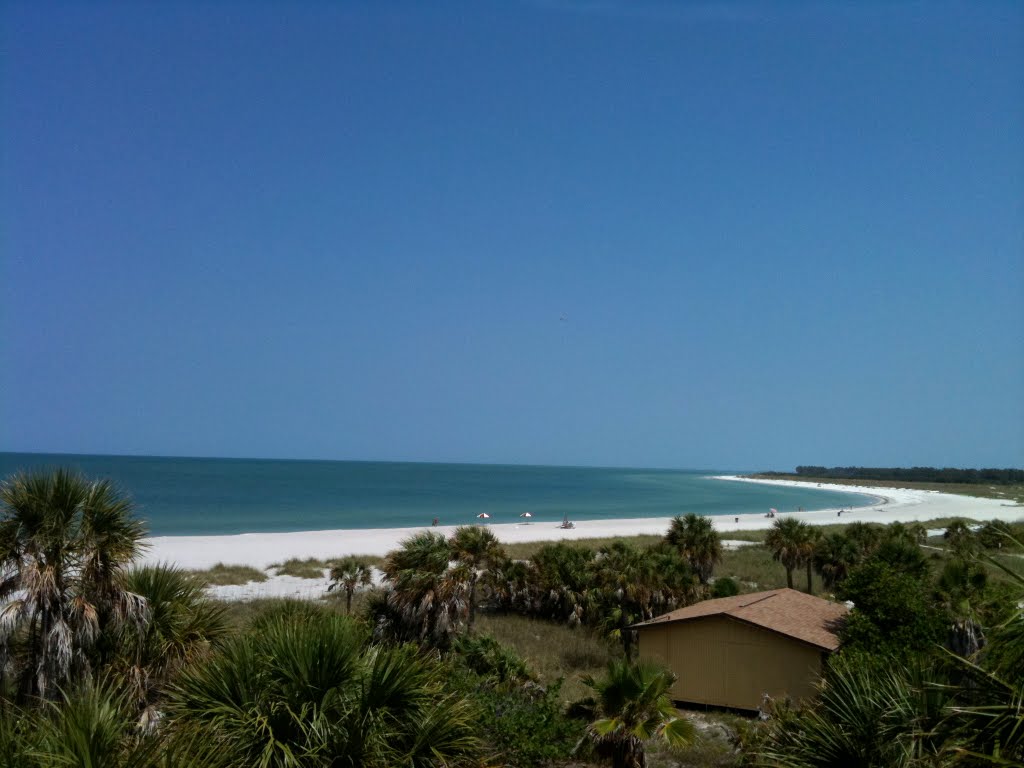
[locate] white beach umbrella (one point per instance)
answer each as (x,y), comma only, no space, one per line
(527,514)
(483,516)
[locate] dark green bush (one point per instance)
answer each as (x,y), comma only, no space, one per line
(725,587)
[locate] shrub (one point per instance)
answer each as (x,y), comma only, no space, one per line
(725,587)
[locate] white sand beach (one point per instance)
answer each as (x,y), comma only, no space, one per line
(263,549)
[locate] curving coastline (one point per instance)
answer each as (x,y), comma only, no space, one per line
(263,549)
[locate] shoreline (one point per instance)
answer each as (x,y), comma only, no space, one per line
(262,549)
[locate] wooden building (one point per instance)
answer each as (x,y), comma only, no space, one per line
(732,651)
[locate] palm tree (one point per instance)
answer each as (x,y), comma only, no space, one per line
(427,600)
(697,540)
(631,705)
(787,541)
(811,538)
(833,557)
(475,548)
(560,582)
(64,545)
(865,537)
(630,584)
(350,573)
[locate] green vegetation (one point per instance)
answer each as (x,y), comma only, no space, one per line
(524,550)
(553,651)
(465,656)
(695,538)
(309,687)
(350,573)
(223,575)
(65,544)
(308,568)
(630,707)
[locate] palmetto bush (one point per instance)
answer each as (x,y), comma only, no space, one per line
(630,706)
(182,627)
(308,690)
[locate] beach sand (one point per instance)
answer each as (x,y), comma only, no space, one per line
(263,549)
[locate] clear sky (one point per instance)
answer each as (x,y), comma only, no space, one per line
(701,234)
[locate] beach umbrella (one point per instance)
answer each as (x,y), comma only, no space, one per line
(483,516)
(527,514)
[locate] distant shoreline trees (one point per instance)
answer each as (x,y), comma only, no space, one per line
(911,474)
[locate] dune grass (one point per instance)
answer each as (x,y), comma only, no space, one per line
(222,575)
(314,567)
(551,650)
(755,570)
(308,568)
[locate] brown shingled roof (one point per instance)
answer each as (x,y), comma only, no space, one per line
(805,617)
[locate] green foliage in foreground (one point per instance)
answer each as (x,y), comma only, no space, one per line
(630,706)
(308,690)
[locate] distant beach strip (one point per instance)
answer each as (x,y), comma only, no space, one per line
(263,549)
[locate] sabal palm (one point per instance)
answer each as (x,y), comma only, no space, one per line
(623,586)
(475,548)
(428,596)
(509,582)
(787,541)
(810,543)
(697,540)
(631,584)
(64,545)
(631,705)
(350,573)
(833,557)
(560,582)
(308,691)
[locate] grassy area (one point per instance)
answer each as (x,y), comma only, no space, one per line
(313,568)
(310,568)
(1009,493)
(552,651)
(222,575)
(755,570)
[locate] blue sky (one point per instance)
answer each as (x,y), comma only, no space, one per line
(780,233)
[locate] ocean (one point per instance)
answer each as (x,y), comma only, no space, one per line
(202,496)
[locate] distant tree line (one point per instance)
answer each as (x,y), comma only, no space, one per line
(914,474)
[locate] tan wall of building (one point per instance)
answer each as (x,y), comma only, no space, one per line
(723,662)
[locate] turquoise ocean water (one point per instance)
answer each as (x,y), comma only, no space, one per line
(179,496)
